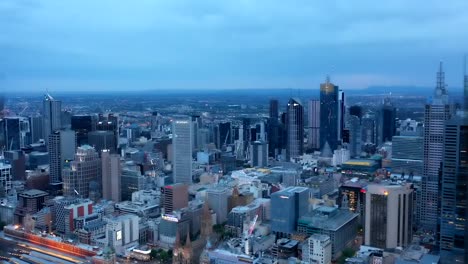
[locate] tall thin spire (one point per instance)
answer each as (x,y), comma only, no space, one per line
(440,92)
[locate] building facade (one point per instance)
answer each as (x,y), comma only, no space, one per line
(437,112)
(182,150)
(295,129)
(389,215)
(84,169)
(329,107)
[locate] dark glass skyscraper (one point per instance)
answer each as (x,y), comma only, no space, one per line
(83,124)
(273,129)
(329,107)
(387,122)
(454,193)
(295,129)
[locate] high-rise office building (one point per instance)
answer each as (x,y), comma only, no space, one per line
(182,150)
(407,155)
(273,129)
(368,123)
(225,134)
(51,115)
(287,206)
(17,160)
(131,181)
(341,115)
(437,112)
(259,154)
(175,197)
(103,139)
(83,124)
(454,191)
(389,215)
(36,129)
(355,135)
(313,116)
(329,107)
(295,129)
(5,177)
(84,169)
(111,176)
(61,147)
(15,132)
(218,202)
(386,122)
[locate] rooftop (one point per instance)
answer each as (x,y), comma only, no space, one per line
(319,218)
(33,193)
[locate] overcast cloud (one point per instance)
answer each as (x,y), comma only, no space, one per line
(172,44)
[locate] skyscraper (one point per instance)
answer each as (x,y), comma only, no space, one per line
(355,136)
(273,129)
(386,122)
(182,146)
(313,116)
(329,107)
(51,114)
(83,124)
(407,155)
(295,129)
(15,132)
(111,176)
(36,128)
(84,169)
(259,154)
(389,215)
(287,206)
(454,193)
(61,147)
(437,111)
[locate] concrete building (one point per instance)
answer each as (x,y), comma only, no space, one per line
(259,154)
(111,176)
(287,206)
(340,156)
(389,215)
(29,202)
(339,224)
(122,231)
(218,202)
(61,147)
(319,249)
(5,177)
(182,137)
(65,210)
(175,197)
(51,115)
(84,169)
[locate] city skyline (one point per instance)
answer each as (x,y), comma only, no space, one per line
(88,46)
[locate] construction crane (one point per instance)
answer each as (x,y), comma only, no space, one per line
(225,139)
(248,235)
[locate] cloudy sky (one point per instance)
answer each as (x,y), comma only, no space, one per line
(228,44)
